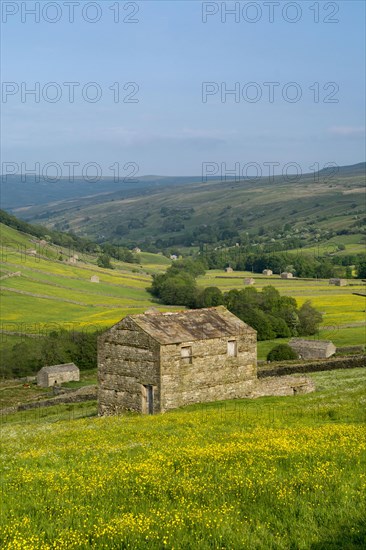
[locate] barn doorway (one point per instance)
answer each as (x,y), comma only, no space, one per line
(147,399)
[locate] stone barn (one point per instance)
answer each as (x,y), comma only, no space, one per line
(94,279)
(312,349)
(267,272)
(286,275)
(340,282)
(229,269)
(156,361)
(57,374)
(249,281)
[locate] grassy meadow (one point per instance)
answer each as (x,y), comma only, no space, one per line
(49,291)
(344,313)
(271,473)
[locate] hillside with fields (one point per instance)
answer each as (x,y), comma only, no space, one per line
(287,212)
(43,293)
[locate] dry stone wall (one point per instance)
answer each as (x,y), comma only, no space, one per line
(279,369)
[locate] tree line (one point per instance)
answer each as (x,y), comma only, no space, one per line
(269,313)
(28,355)
(302,264)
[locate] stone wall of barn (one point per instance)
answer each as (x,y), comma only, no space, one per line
(128,360)
(212,375)
(47,380)
(62,377)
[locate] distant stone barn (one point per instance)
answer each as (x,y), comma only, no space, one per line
(57,374)
(156,361)
(312,349)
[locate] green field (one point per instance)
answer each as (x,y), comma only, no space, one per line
(46,289)
(273,473)
(344,314)
(51,294)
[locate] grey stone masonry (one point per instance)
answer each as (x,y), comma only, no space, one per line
(159,361)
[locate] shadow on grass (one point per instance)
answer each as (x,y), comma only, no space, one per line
(344,538)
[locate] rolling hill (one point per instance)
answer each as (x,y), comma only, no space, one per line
(166,212)
(40,289)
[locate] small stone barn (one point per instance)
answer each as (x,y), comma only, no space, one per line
(57,374)
(249,281)
(340,282)
(267,272)
(94,279)
(154,362)
(286,275)
(229,269)
(312,349)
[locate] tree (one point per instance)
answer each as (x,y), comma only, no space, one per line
(193,267)
(157,282)
(288,311)
(53,350)
(309,318)
(210,297)
(258,320)
(361,269)
(349,272)
(270,299)
(104,261)
(282,352)
(279,326)
(179,290)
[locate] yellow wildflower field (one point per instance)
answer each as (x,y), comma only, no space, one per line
(273,473)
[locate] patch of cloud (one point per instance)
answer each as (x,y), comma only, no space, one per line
(347,131)
(132,137)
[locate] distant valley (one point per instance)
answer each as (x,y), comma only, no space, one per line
(159,212)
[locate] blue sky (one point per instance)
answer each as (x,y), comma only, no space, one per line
(168,53)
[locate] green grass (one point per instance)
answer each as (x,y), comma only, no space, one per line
(120,291)
(14,392)
(339,306)
(274,473)
(11,238)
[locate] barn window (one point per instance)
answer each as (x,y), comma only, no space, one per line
(232,348)
(186,355)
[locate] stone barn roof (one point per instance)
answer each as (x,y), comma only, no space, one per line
(320,348)
(313,344)
(190,325)
(55,369)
